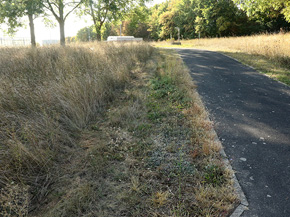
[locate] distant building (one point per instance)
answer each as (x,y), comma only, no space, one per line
(49,42)
(14,41)
(123,38)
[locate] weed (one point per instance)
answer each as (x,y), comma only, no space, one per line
(160,198)
(214,175)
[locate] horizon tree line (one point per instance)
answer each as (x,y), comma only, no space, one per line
(195,18)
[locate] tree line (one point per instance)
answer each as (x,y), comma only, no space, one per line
(195,18)
(214,18)
(12,12)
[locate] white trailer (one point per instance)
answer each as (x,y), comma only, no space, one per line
(123,38)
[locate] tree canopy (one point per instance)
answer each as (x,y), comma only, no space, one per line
(212,18)
(11,12)
(195,18)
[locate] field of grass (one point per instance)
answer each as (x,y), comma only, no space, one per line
(268,53)
(106,130)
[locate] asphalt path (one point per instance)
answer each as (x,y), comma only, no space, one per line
(251,113)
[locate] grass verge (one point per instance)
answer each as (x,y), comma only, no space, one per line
(120,132)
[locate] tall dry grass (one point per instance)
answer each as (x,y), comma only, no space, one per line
(47,95)
(273,46)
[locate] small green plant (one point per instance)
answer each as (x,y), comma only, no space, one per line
(164,86)
(214,175)
(156,111)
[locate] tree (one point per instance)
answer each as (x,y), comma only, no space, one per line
(61,9)
(102,11)
(86,34)
(258,6)
(70,39)
(186,16)
(136,23)
(230,19)
(154,24)
(270,15)
(11,13)
(168,24)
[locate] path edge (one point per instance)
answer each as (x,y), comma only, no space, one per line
(251,67)
(239,210)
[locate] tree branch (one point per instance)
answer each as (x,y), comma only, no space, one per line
(52,10)
(73,9)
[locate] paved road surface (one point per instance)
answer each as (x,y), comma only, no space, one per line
(252,119)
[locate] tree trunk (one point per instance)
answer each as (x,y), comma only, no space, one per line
(61,30)
(61,21)
(32,32)
(99,33)
(92,13)
(97,29)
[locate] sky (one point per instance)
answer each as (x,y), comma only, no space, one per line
(72,25)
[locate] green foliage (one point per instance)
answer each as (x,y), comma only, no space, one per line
(165,87)
(154,24)
(11,13)
(108,29)
(136,23)
(270,14)
(186,18)
(86,34)
(102,11)
(155,111)
(214,175)
(266,6)
(211,18)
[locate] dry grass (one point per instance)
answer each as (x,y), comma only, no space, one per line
(47,97)
(273,46)
(106,130)
(268,53)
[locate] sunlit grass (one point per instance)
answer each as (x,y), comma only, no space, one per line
(268,53)
(106,130)
(48,96)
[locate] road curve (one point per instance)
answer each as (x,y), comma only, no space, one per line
(251,113)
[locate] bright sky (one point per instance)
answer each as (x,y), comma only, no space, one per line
(72,25)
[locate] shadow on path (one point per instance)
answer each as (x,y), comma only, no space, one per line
(252,119)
